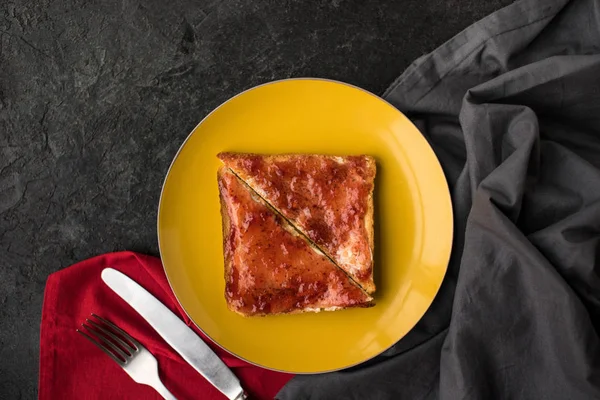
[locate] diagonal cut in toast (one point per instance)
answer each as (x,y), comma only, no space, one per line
(329,199)
(269,267)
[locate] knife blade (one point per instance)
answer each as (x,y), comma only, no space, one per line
(176,333)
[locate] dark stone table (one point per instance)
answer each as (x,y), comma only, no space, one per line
(97,96)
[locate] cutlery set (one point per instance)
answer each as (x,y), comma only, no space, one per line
(136,360)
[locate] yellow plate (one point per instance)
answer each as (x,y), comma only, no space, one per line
(413,222)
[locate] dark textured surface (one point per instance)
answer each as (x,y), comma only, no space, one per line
(96,97)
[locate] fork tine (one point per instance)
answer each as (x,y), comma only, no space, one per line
(101,347)
(126,346)
(103,337)
(135,343)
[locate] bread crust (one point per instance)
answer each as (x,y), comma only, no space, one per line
(226,230)
(370,224)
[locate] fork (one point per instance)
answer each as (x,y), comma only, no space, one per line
(134,358)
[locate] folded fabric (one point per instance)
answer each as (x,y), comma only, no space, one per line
(511,106)
(73,368)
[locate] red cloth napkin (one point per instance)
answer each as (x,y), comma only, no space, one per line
(72,368)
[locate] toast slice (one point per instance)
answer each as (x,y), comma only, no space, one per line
(269,267)
(329,199)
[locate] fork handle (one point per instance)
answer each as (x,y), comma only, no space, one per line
(162,390)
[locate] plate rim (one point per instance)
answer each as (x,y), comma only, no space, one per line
(176,156)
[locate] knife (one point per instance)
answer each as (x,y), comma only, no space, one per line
(176,333)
